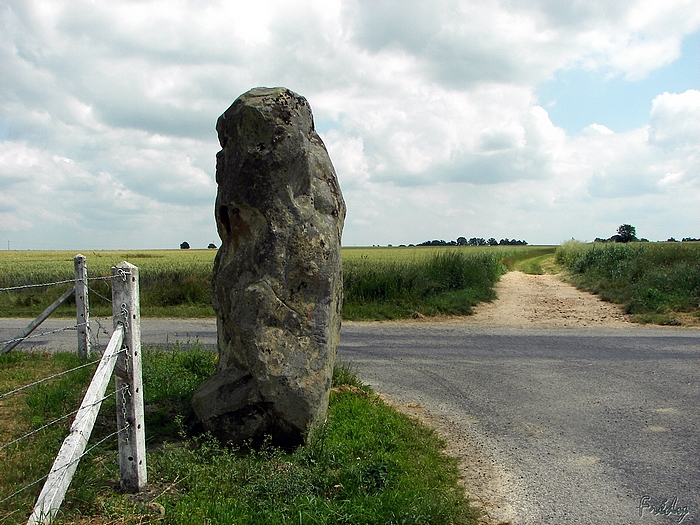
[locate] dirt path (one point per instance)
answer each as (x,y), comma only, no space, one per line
(530,301)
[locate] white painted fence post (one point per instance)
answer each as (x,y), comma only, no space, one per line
(40,319)
(130,422)
(82,307)
(73,448)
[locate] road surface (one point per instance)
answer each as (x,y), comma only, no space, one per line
(580,426)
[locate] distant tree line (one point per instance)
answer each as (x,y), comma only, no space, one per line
(628,233)
(475,241)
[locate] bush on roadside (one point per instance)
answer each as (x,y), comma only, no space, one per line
(644,277)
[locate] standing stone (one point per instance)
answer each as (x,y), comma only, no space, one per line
(277,281)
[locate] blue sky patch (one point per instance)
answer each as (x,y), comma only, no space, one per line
(576,98)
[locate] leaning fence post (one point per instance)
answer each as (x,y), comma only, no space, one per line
(82,307)
(73,447)
(132,443)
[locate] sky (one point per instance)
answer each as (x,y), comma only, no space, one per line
(538,120)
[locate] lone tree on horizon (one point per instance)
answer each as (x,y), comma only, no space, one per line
(627,233)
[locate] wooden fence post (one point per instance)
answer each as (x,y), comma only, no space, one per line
(130,421)
(73,447)
(82,307)
(40,319)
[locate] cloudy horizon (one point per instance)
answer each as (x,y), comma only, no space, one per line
(526,119)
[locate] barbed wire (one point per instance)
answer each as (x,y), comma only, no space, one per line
(58,420)
(34,336)
(35,285)
(63,467)
(59,374)
(121,274)
(99,295)
(17,492)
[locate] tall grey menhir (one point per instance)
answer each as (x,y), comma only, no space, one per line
(277,281)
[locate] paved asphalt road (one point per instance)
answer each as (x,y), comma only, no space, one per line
(163,332)
(590,426)
(586,423)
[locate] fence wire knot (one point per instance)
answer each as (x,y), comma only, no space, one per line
(121,272)
(125,315)
(125,429)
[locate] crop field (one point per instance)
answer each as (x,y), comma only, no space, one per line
(381,254)
(380,283)
(657,282)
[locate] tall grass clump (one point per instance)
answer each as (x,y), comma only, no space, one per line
(647,278)
(447,282)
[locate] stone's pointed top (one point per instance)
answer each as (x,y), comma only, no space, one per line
(275,107)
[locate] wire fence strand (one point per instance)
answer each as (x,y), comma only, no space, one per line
(59,374)
(92,290)
(58,420)
(41,334)
(121,274)
(40,285)
(63,467)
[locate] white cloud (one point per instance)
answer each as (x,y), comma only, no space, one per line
(428,113)
(675,121)
(57,202)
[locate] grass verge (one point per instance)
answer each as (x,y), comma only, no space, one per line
(368,464)
(657,282)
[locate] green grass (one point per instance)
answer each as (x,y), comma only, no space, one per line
(446,282)
(367,464)
(31,459)
(654,281)
(531,261)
